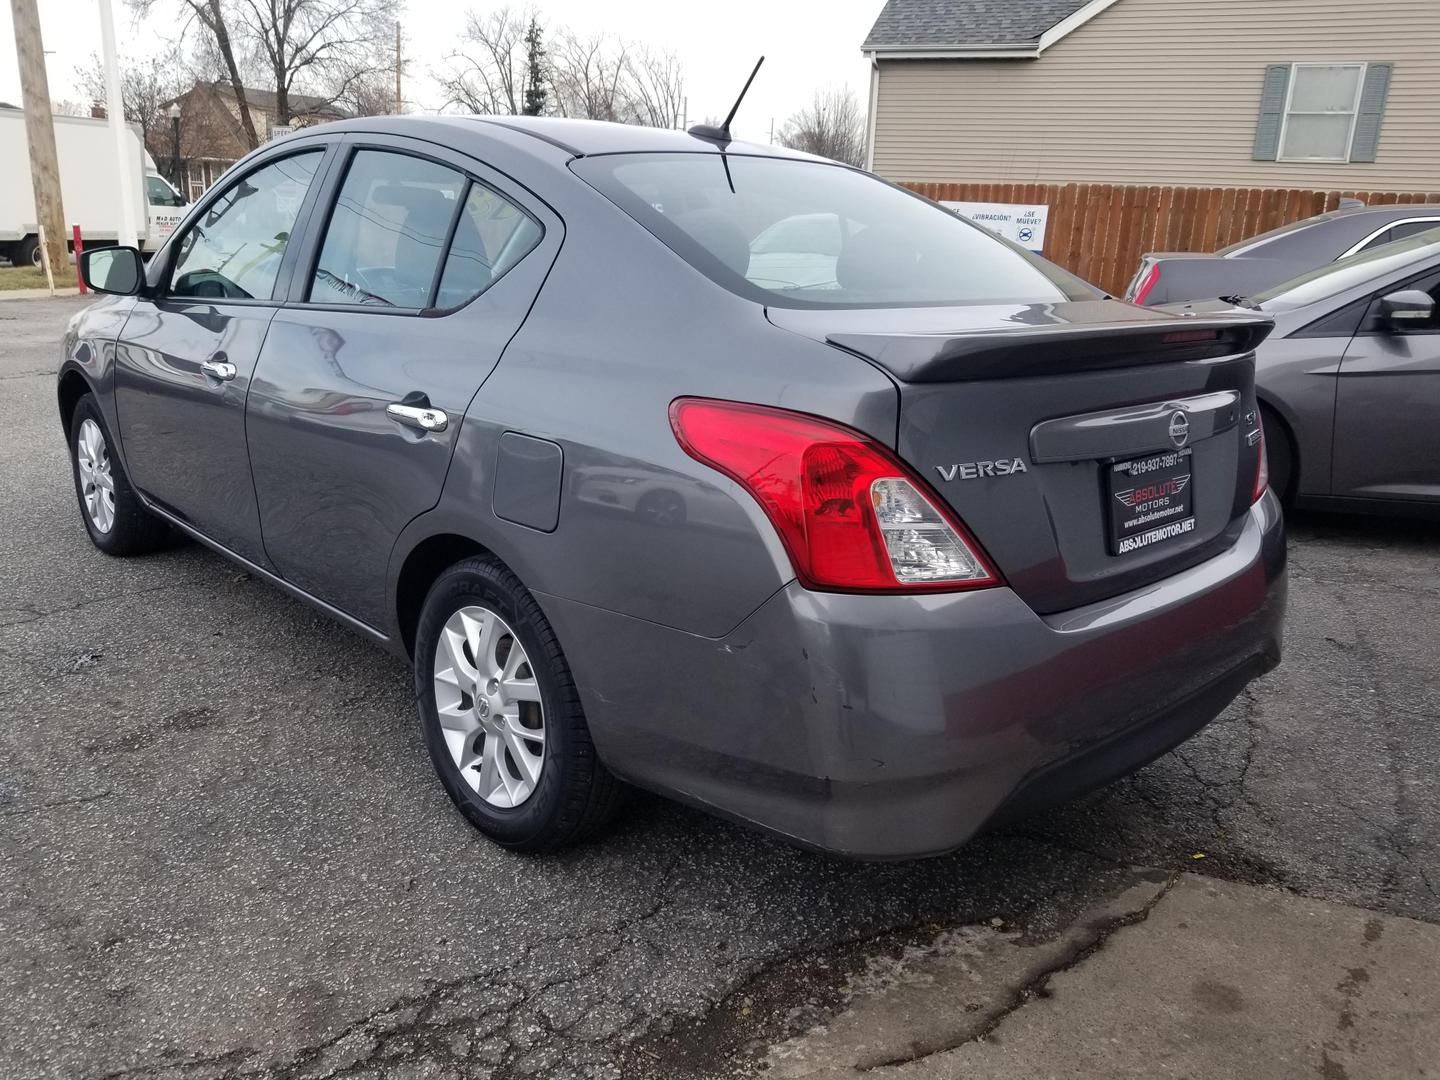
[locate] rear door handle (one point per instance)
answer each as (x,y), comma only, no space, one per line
(218,369)
(419,417)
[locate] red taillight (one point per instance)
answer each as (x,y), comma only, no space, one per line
(851,516)
(1262,467)
(1148,282)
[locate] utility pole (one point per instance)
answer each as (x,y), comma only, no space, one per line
(399,100)
(39,129)
(128,168)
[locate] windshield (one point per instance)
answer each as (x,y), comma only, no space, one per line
(806,234)
(1332,279)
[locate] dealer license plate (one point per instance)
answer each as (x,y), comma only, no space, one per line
(1151,500)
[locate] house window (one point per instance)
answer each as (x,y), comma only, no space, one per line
(1320,112)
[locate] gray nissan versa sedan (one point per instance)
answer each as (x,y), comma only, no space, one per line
(868,559)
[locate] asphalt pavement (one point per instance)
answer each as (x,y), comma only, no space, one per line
(223,853)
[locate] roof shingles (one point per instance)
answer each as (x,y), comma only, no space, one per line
(940,24)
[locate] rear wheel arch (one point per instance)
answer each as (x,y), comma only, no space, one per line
(423,565)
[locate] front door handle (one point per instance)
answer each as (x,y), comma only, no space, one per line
(419,417)
(218,369)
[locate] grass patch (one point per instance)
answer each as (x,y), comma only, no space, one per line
(25,277)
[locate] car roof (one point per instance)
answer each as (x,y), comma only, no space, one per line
(585,137)
(1368,270)
(1340,229)
(578,138)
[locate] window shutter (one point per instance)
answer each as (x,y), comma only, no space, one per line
(1372,111)
(1272,112)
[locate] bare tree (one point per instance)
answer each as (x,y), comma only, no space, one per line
(146,88)
(486,74)
(591,76)
(367,93)
(215,19)
(831,126)
(656,88)
(319,46)
(68,107)
(503,68)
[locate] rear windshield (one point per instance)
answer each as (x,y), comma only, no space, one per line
(1332,279)
(806,234)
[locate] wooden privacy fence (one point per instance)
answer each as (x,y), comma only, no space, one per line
(1099,231)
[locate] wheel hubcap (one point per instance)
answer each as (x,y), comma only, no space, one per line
(489,704)
(97,484)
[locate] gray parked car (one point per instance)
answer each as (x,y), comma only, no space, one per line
(867,558)
(1349,382)
(1264,261)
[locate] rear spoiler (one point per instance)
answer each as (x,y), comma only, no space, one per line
(1056,350)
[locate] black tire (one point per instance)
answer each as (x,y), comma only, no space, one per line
(1281,453)
(575,795)
(27,253)
(134,530)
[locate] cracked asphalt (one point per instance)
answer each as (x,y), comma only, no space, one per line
(222,852)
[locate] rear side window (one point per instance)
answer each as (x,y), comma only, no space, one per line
(492,235)
(807,234)
(387,232)
(413,234)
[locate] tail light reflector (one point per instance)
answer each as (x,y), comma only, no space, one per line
(852,517)
(1262,468)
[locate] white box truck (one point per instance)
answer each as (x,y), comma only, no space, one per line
(88,187)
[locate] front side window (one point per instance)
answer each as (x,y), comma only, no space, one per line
(806,234)
(234,251)
(1405,229)
(159,193)
(1320,112)
(388,231)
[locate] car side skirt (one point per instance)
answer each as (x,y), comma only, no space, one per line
(349,621)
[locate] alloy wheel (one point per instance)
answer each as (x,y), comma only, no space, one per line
(97,483)
(488,701)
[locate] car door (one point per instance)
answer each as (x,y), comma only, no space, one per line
(186,355)
(408,291)
(1387,407)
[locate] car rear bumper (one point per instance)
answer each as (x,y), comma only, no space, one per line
(898,726)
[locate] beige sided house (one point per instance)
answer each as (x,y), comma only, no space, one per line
(1328,96)
(1250,93)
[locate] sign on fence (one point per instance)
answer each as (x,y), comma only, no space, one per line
(1023,224)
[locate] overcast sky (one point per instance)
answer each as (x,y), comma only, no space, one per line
(806,44)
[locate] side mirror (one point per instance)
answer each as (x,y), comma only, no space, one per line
(1407,309)
(117,270)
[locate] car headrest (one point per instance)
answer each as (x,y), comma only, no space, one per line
(876,258)
(718,235)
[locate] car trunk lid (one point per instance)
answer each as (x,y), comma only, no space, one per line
(1091,447)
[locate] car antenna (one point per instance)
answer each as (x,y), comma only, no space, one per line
(721,134)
